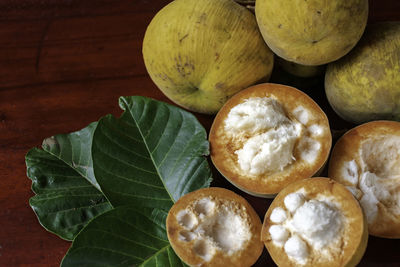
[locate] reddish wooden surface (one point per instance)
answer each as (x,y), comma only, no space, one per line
(63,64)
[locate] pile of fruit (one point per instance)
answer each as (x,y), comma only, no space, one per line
(134,190)
(207,55)
(200,54)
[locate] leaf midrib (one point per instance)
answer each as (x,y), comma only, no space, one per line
(148,149)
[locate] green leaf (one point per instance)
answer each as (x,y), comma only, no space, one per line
(65,199)
(75,150)
(150,156)
(124,236)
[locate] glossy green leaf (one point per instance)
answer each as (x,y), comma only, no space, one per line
(150,156)
(124,236)
(142,162)
(75,150)
(65,200)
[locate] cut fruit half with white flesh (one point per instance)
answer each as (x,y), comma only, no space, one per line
(366,160)
(268,136)
(214,227)
(315,222)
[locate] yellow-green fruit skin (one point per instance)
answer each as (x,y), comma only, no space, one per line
(365,84)
(311,32)
(201,52)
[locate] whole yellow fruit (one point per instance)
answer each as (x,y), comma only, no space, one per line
(365,84)
(201,52)
(311,32)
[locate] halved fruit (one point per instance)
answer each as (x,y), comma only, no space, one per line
(214,227)
(315,222)
(366,160)
(268,136)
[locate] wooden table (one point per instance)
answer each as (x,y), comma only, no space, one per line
(63,64)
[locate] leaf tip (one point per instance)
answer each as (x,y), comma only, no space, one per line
(49,142)
(123,102)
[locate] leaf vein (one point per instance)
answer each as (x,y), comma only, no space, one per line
(110,250)
(129,180)
(140,230)
(78,208)
(124,238)
(172,144)
(124,162)
(56,197)
(158,172)
(140,196)
(155,255)
(162,133)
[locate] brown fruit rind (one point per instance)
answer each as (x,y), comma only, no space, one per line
(357,230)
(268,185)
(246,257)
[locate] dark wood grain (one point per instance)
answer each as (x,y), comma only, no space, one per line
(63,64)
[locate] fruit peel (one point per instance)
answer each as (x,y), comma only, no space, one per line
(365,84)
(311,32)
(200,53)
